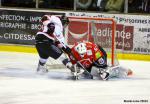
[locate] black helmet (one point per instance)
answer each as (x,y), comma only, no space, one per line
(65,20)
(44,18)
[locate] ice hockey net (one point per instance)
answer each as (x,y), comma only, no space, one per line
(98,30)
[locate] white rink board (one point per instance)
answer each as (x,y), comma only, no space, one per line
(20,84)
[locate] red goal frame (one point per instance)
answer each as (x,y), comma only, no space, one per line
(113,24)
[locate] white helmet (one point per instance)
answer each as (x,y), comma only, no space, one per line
(81,48)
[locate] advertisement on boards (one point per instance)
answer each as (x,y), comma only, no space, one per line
(20,27)
(132,31)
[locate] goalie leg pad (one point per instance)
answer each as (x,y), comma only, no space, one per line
(95,71)
(99,73)
(119,72)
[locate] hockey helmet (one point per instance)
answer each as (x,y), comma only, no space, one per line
(64,19)
(81,48)
(45,18)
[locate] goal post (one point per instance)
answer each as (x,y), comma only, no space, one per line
(101,31)
(98,30)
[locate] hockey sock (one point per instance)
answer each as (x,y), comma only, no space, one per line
(42,61)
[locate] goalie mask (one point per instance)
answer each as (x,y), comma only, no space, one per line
(81,48)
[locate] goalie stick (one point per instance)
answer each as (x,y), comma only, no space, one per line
(75,74)
(76,77)
(91,76)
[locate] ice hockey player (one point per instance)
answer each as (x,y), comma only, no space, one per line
(50,41)
(91,57)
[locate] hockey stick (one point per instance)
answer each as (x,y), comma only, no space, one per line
(91,76)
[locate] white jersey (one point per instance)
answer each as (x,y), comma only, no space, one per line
(58,32)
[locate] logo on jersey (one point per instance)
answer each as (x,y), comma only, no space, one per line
(101,61)
(89,52)
(86,62)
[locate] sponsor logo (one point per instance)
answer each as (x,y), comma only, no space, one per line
(77,31)
(101,33)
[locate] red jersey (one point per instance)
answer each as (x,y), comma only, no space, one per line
(93,54)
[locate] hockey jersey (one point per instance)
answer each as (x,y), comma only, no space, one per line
(58,32)
(93,53)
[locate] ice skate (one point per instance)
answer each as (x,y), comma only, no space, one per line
(41,69)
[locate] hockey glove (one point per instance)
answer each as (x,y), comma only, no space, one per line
(66,50)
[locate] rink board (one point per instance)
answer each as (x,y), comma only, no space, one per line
(31,49)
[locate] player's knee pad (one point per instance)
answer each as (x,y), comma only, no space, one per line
(54,52)
(94,71)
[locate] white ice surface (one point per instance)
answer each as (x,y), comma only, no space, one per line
(20,84)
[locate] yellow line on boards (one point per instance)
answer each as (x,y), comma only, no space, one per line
(134,57)
(18,48)
(32,49)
